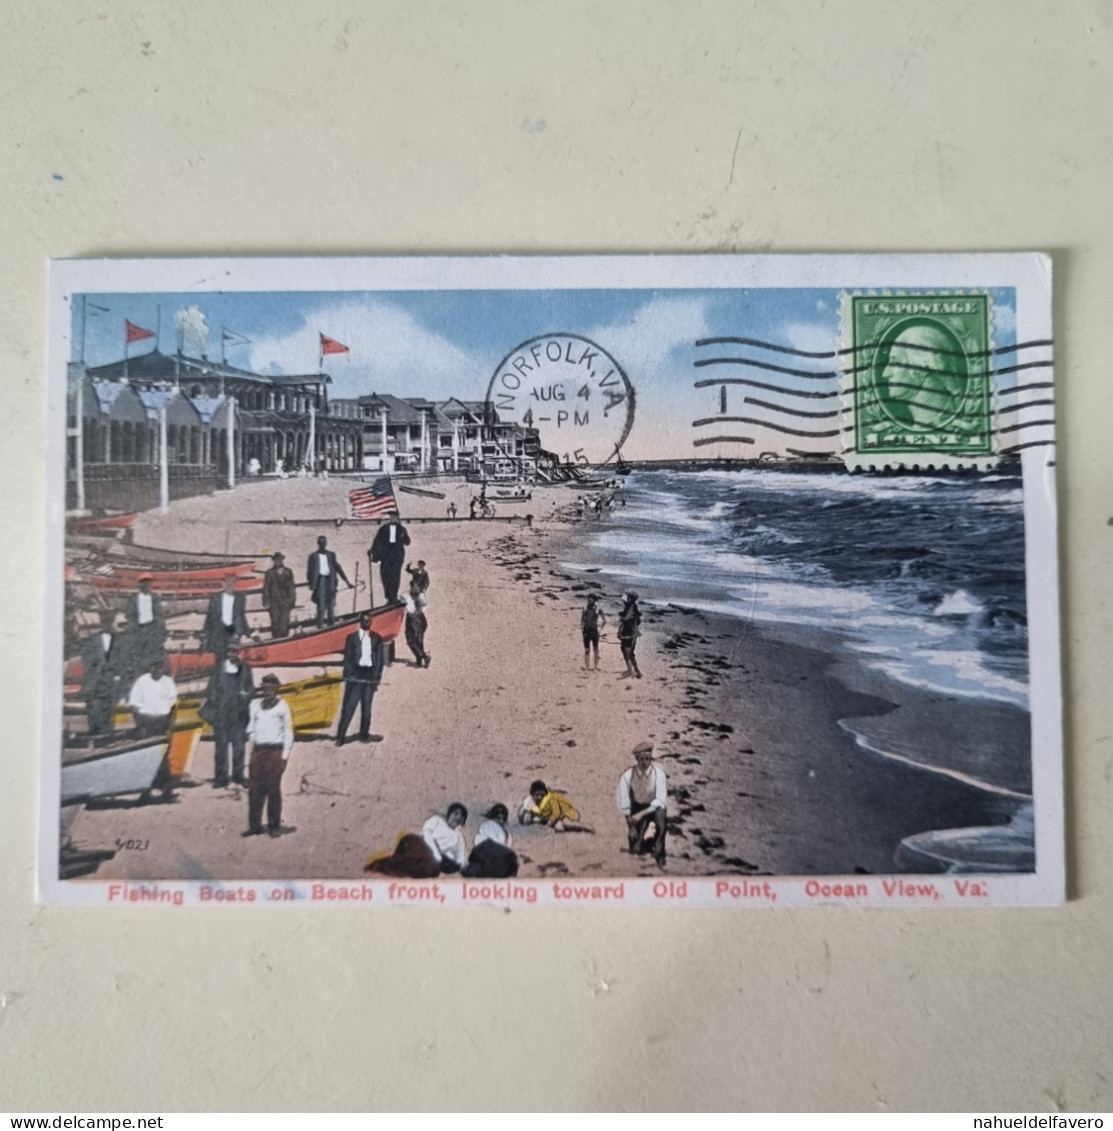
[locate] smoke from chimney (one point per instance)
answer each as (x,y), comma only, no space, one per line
(193,329)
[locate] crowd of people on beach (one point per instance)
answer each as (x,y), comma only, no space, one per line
(125,663)
(441,847)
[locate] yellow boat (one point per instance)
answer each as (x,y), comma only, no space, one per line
(313,705)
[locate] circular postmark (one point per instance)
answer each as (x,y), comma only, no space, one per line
(571,390)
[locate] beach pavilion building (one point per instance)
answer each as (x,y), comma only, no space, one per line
(221,423)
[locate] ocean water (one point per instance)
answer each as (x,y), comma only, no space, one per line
(922,576)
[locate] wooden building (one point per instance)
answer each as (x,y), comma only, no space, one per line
(221,424)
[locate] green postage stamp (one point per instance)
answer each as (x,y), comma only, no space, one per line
(917,380)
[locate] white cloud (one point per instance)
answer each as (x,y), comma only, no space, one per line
(654,347)
(812,337)
(645,345)
(389,352)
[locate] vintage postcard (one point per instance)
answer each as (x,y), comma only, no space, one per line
(583,581)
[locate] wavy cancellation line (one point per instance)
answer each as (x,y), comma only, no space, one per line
(827,414)
(706,421)
(847,370)
(757,343)
(814,394)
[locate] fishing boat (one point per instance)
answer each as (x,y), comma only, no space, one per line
(185,575)
(91,524)
(313,705)
(517,493)
(177,584)
(284,651)
(127,767)
(181,665)
(112,549)
(386,621)
(420,491)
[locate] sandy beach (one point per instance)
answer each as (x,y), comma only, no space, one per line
(763,779)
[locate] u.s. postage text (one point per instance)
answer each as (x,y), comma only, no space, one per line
(718,581)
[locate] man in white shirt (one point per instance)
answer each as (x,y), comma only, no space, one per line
(148,624)
(643,801)
(363,672)
(152,699)
(226,619)
(270,729)
(323,572)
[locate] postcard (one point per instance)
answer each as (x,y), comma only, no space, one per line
(711,581)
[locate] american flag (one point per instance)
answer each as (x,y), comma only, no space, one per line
(376,501)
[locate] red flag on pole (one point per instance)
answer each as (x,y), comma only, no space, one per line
(330,345)
(137,333)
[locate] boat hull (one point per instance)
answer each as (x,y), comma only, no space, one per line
(387,621)
(108,773)
(185,576)
(106,523)
(174,584)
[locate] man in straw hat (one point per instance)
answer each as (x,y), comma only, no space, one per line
(643,801)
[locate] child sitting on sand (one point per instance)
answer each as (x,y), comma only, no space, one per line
(544,806)
(492,857)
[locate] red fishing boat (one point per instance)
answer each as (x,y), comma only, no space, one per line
(316,645)
(172,580)
(178,584)
(387,621)
(181,665)
(108,522)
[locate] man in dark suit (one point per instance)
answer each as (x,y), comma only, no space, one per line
(227,707)
(389,550)
(363,672)
(225,620)
(147,625)
(279,595)
(323,572)
(101,674)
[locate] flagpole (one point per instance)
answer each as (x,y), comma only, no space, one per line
(125,349)
(79,423)
(312,438)
(231,434)
(163,463)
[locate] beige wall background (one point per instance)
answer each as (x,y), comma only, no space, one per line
(338,127)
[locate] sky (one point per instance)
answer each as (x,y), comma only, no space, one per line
(440,344)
